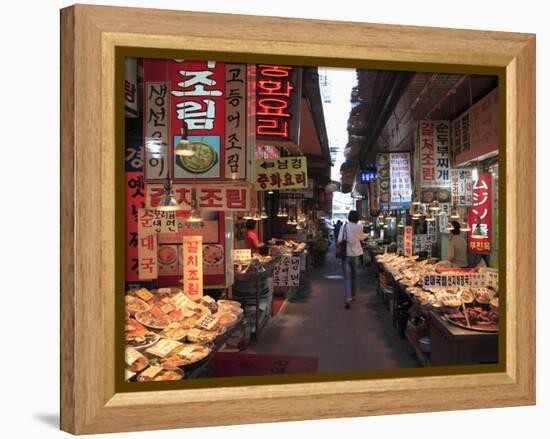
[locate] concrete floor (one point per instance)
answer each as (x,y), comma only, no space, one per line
(314,322)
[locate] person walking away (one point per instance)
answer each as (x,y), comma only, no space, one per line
(353,234)
(457,248)
(337,227)
(251,240)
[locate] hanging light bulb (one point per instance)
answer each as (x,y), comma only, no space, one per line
(454,214)
(168,203)
(289,221)
(256,216)
(465,227)
(401,224)
(449,227)
(194,217)
(430,217)
(279,212)
(435,207)
(264,214)
(248,216)
(184,148)
(285,212)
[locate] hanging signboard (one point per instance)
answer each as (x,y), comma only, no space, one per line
(192,267)
(282,173)
(278,93)
(480,215)
(130,87)
(479,130)
(433,153)
(400,180)
(197,91)
(384,184)
(461,187)
(147,245)
(394,179)
(209,196)
(156,129)
(235,121)
(135,200)
(408,241)
(373,195)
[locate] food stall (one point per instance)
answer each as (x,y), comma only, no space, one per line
(451,314)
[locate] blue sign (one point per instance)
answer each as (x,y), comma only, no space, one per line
(367,176)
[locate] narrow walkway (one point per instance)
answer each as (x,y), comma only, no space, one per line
(315,323)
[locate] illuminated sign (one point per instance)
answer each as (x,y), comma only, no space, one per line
(367,176)
(278,91)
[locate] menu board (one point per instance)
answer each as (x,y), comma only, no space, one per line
(400,179)
(461,187)
(480,215)
(394,179)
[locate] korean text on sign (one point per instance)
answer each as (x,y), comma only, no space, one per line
(147,245)
(210,197)
(282,173)
(480,240)
(192,266)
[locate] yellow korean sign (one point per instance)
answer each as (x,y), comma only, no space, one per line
(281,173)
(192,266)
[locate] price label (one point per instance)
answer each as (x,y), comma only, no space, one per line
(163,347)
(131,356)
(208,300)
(151,371)
(144,294)
(186,351)
(180,301)
(206,322)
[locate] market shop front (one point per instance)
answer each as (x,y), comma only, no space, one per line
(229,244)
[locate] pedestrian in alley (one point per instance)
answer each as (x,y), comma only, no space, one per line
(337,227)
(353,234)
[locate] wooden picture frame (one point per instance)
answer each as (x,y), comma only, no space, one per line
(90,38)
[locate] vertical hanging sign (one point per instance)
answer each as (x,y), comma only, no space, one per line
(192,266)
(461,187)
(147,245)
(400,180)
(278,94)
(480,215)
(433,153)
(156,129)
(235,121)
(198,98)
(408,241)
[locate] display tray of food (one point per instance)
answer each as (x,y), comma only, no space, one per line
(174,334)
(474,319)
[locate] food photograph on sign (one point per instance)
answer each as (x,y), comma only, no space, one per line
(269,208)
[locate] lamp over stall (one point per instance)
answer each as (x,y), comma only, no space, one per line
(184,148)
(167,202)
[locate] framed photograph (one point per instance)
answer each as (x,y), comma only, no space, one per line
(188,138)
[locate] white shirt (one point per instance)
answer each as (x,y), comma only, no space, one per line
(354,236)
(456,251)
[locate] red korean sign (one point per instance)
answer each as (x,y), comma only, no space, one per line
(480,215)
(135,200)
(408,241)
(210,197)
(278,92)
(197,91)
(192,267)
